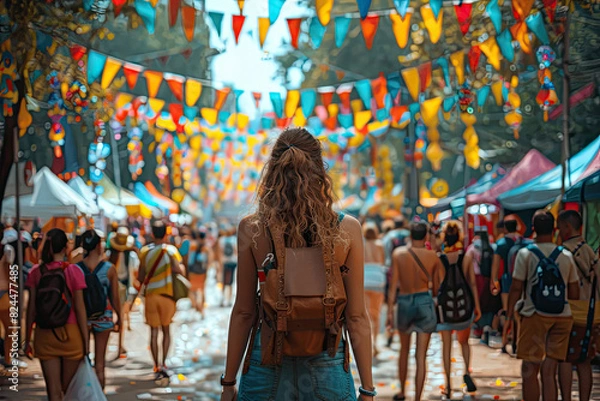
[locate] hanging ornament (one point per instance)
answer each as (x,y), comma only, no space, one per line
(513,116)
(9,94)
(471,150)
(547,96)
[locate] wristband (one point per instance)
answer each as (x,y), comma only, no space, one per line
(227,384)
(368,393)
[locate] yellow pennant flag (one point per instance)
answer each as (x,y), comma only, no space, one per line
(433,25)
(210,115)
(156,105)
(193,90)
(492,51)
(429,111)
(497,91)
(122,100)
(242,121)
(401,27)
(153,81)
(333,109)
(458,61)
(263,28)
(111,68)
(356,105)
(413,83)
(362,118)
(324,11)
(291,103)
(299,119)
(241,5)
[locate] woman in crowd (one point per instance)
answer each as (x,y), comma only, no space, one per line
(93,263)
(375,278)
(295,210)
(60,348)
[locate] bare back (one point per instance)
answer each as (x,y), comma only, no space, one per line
(374,252)
(411,278)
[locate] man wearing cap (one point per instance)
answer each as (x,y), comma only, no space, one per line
(123,254)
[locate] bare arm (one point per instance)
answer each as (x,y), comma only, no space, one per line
(516,290)
(393,286)
(30,315)
(115,301)
(244,309)
(470,273)
(494,276)
(574,291)
(81,314)
(359,325)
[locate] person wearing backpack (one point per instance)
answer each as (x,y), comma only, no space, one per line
(416,273)
(569,224)
(228,246)
(101,296)
(545,277)
(57,308)
(7,258)
(159,261)
(375,278)
(198,262)
(307,262)
(457,315)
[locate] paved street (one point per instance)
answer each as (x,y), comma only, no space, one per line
(198,355)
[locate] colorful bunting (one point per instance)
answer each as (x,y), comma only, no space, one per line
(326,93)
(341,30)
(294,27)
(291,103)
(497,89)
(522,8)
(550,8)
(308,100)
(369,29)
(492,51)
(535,23)
(95,65)
(209,115)
(220,97)
(379,88)
(401,27)
(443,64)
(436,7)
(412,81)
(277,103)
(495,14)
(463,15)
(132,71)
(393,84)
(458,61)
(174,6)
(153,81)
(175,83)
(263,28)
(432,23)
(363,7)
(118,6)
(241,5)
(424,75)
(257,96)
(111,68)
(275,9)
(520,33)
(504,40)
(323,8)
(344,91)
(147,13)
(316,32)
(474,56)
(77,52)
(402,6)
(238,23)
(188,21)
(237,93)
(217,20)
(363,87)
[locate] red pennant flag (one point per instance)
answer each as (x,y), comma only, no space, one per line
(282,122)
(176,111)
(379,89)
(77,52)
(369,28)
(186,53)
(118,6)
(164,59)
(425,75)
(463,14)
(221,97)
(175,83)
(257,96)
(174,6)
(474,55)
(132,71)
(550,7)
(188,21)
(294,27)
(345,98)
(331,123)
(397,112)
(326,95)
(238,23)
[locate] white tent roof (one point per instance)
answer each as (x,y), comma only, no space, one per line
(110,210)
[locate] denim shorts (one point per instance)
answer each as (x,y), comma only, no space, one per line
(315,378)
(416,312)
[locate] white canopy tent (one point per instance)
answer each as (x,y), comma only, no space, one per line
(109,209)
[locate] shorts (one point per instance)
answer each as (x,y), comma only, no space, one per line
(315,378)
(542,337)
(159,310)
(505,283)
(416,312)
(64,342)
(103,323)
(228,272)
(198,281)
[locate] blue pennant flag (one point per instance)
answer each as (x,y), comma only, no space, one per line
(95,65)
(363,7)
(341,30)
(363,88)
(147,13)
(277,103)
(217,19)
(308,100)
(275,9)
(316,32)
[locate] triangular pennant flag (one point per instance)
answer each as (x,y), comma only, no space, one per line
(474,56)
(190,112)
(425,75)
(316,32)
(153,2)
(492,51)
(147,13)
(220,97)
(241,5)
(521,8)
(443,64)
(369,29)
(263,29)
(132,71)
(401,27)
(402,6)
(379,90)
(436,7)
(364,90)
(156,105)
(186,53)
(122,100)
(174,6)
(412,81)
(163,59)
(308,100)
(257,96)
(275,9)
(550,8)
(497,88)
(326,93)
(363,7)
(188,22)
(340,74)
(111,68)
(209,115)
(482,95)
(237,93)
(77,52)
(341,29)
(344,91)
(153,81)
(495,14)
(535,23)
(238,23)
(294,27)
(175,83)
(217,20)
(176,111)
(95,65)
(463,15)
(277,103)
(506,47)
(520,33)
(458,61)
(362,118)
(393,85)
(291,103)
(118,6)
(433,24)
(323,8)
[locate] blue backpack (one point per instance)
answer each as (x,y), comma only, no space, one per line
(549,292)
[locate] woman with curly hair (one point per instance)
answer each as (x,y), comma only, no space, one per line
(308,263)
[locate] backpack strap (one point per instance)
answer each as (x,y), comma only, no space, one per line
(536,251)
(281,305)
(429,278)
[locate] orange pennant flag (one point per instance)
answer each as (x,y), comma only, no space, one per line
(132,71)
(111,68)
(294,27)
(344,91)
(379,89)
(220,97)
(369,29)
(264,23)
(175,83)
(412,81)
(401,27)
(340,74)
(522,8)
(188,21)
(326,93)
(458,61)
(153,81)
(520,33)
(433,24)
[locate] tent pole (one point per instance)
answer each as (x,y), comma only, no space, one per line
(566,173)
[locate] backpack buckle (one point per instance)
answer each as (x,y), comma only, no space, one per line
(329,301)
(281,306)
(269,259)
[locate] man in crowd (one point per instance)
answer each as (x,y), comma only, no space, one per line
(543,339)
(569,224)
(158,262)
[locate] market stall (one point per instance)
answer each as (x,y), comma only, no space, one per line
(109,210)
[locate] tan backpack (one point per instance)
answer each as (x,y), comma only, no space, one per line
(301,301)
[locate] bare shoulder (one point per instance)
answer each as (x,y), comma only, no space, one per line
(351,225)
(400,253)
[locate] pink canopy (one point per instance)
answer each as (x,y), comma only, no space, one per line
(533,164)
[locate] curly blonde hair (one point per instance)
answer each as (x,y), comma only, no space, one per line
(295,193)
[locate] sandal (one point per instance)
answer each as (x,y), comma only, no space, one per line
(471,387)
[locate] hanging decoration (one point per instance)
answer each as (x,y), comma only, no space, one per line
(263,28)
(463,15)
(98,152)
(342,24)
(316,32)
(56,133)
(513,116)
(363,7)
(471,151)
(188,22)
(9,94)
(238,23)
(111,68)
(547,96)
(429,114)
(369,26)
(493,11)
(147,13)
(294,28)
(174,6)
(95,65)
(217,20)
(118,6)
(323,8)
(433,23)
(401,27)
(153,81)
(275,9)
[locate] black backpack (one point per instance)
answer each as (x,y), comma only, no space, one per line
(548,293)
(53,300)
(455,299)
(228,251)
(94,294)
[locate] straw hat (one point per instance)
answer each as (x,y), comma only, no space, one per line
(122,241)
